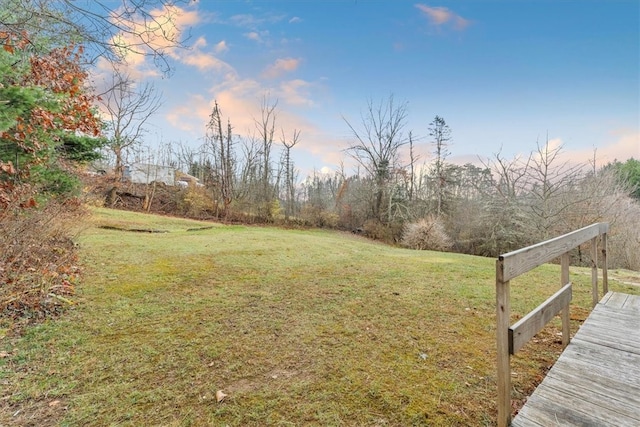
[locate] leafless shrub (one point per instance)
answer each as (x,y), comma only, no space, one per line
(624,242)
(38,261)
(426,234)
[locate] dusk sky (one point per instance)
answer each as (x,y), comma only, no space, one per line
(503,74)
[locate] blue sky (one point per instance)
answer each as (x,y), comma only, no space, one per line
(503,74)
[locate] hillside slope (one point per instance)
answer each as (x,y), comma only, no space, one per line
(295,327)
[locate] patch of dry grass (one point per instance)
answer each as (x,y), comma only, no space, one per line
(296,327)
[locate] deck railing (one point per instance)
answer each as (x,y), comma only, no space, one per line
(508,266)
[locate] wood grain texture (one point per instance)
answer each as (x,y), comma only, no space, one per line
(596,380)
(517,262)
(522,331)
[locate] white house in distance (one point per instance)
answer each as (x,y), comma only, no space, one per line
(144,173)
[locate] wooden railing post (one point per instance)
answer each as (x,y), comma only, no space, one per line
(510,338)
(503,314)
(605,274)
(565,259)
(594,271)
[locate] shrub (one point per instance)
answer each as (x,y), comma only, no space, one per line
(195,201)
(388,233)
(38,261)
(624,237)
(426,234)
(318,217)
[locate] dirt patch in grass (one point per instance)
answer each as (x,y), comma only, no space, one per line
(296,327)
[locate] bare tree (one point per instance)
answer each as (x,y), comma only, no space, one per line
(265,127)
(377,146)
(550,182)
(289,173)
(510,174)
(222,146)
(441,134)
(504,224)
(245,165)
(128,106)
(413,158)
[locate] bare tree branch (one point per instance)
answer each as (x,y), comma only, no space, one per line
(378,144)
(142,27)
(128,107)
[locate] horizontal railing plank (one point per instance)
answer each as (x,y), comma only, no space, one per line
(523,330)
(518,262)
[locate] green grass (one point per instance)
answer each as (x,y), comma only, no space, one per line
(296,327)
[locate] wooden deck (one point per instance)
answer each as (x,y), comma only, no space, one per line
(596,380)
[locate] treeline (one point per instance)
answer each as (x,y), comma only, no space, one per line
(395,196)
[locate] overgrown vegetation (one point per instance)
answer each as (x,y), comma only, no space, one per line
(296,327)
(39,269)
(47,126)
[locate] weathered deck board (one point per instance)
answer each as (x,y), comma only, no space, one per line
(633,304)
(596,380)
(616,300)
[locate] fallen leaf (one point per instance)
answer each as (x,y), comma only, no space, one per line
(54,403)
(220,396)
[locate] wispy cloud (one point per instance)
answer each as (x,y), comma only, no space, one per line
(295,20)
(198,57)
(253,36)
(253,21)
(257,36)
(296,93)
(246,20)
(200,43)
(280,67)
(441,16)
(621,144)
(221,47)
(182,116)
(204,61)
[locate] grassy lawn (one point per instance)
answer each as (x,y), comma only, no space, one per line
(296,327)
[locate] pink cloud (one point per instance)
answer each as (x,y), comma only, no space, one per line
(440,16)
(162,30)
(200,42)
(280,67)
(622,145)
(221,47)
(258,37)
(295,92)
(190,117)
(204,61)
